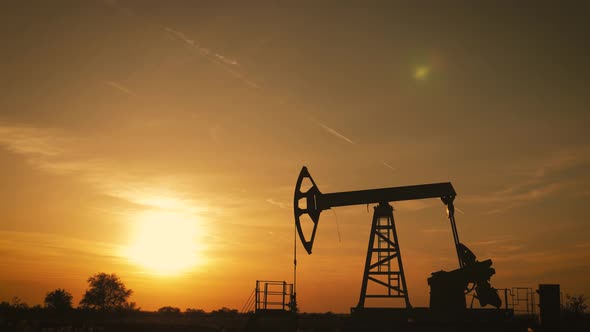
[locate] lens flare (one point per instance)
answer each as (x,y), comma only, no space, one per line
(421,72)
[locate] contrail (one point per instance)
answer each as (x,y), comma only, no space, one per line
(203,50)
(120,87)
(226,63)
(221,60)
(335,133)
(389,166)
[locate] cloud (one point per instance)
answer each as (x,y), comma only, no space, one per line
(223,61)
(508,248)
(120,87)
(52,151)
(546,258)
(513,194)
(434,230)
(538,179)
(414,205)
(26,244)
(114,4)
(203,50)
(563,159)
(335,133)
(30,140)
(388,166)
(484,243)
(276,203)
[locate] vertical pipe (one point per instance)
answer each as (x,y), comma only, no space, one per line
(294,293)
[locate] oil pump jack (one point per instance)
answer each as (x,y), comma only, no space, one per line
(383,269)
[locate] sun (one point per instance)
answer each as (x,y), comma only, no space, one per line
(164,243)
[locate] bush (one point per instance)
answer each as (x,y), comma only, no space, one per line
(575,304)
(168,310)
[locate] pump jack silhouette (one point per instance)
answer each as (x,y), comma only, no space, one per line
(383,266)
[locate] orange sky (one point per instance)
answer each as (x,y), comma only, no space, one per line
(116,115)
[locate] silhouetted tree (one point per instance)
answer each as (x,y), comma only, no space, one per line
(106,292)
(18,304)
(194,312)
(59,300)
(130,306)
(575,304)
(169,310)
(223,311)
(37,308)
(4,306)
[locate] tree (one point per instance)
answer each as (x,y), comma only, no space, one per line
(224,311)
(168,310)
(4,306)
(59,300)
(106,292)
(194,312)
(575,304)
(131,307)
(18,304)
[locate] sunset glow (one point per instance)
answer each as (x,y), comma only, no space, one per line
(162,140)
(164,243)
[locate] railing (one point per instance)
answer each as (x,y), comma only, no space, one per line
(521,300)
(273,295)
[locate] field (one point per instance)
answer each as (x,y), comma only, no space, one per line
(79,321)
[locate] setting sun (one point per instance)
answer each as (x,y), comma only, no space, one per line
(164,242)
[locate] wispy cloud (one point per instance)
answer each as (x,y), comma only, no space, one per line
(561,160)
(538,179)
(31,141)
(389,166)
(225,62)
(276,203)
(55,152)
(203,50)
(414,205)
(117,6)
(499,242)
(31,242)
(52,254)
(120,87)
(435,230)
(484,243)
(335,133)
